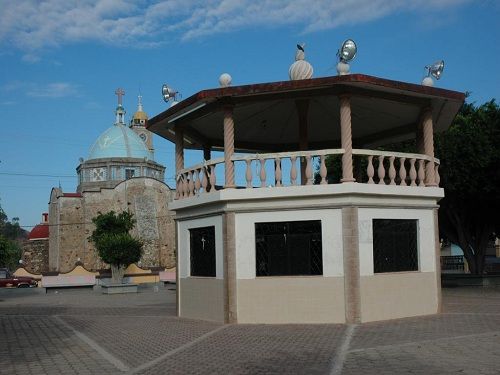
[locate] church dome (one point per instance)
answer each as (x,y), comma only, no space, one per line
(119,142)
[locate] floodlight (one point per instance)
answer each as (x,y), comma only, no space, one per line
(348,51)
(435,70)
(168,93)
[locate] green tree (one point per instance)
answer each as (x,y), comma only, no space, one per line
(114,243)
(469,214)
(10,253)
(11,236)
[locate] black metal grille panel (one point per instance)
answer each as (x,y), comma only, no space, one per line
(202,251)
(288,248)
(395,246)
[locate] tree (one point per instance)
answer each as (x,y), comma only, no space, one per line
(10,253)
(114,243)
(469,213)
(11,235)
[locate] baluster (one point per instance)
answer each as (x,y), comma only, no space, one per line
(178,188)
(392,171)
(402,171)
(293,170)
(262,172)
(308,170)
(277,172)
(413,172)
(248,173)
(381,170)
(190,184)
(436,174)
(185,185)
(369,170)
(204,181)
(322,169)
(212,178)
(197,182)
(421,172)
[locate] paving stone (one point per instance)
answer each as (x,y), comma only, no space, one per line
(38,336)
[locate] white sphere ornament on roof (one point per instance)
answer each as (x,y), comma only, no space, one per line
(225,80)
(300,69)
(428,81)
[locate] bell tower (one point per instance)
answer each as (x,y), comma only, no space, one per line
(138,125)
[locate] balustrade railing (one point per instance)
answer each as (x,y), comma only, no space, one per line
(396,168)
(307,168)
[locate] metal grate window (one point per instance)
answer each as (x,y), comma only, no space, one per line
(288,248)
(395,247)
(202,251)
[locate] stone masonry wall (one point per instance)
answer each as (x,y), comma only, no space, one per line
(36,256)
(146,198)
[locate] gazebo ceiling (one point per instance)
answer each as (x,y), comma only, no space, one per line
(266,115)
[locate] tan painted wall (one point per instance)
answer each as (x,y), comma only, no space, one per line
(397,295)
(201,298)
(291,300)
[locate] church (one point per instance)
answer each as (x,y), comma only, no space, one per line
(119,174)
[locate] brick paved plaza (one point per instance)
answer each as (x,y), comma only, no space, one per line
(84,332)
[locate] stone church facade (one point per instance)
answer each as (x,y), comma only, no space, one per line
(120,174)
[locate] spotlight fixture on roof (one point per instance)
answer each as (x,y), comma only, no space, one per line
(435,70)
(346,53)
(169,94)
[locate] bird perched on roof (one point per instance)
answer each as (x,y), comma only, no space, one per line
(300,54)
(300,69)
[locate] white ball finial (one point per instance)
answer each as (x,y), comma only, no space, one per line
(225,80)
(300,69)
(428,81)
(343,68)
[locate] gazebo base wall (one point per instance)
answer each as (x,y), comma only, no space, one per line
(349,288)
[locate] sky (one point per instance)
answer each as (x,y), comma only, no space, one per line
(62,60)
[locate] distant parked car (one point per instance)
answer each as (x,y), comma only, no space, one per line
(7,279)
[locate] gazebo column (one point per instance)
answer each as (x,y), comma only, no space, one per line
(346,138)
(302,110)
(179,149)
(428,140)
(228,146)
(207,153)
(179,154)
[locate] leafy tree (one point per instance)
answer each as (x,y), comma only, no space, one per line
(10,253)
(114,243)
(469,214)
(11,235)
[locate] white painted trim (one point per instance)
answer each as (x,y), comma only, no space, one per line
(183,244)
(331,233)
(426,244)
(309,192)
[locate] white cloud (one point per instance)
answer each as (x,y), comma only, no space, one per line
(33,24)
(53,90)
(49,90)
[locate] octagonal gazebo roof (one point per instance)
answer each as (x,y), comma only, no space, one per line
(266,116)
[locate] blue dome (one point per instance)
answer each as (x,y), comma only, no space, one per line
(119,142)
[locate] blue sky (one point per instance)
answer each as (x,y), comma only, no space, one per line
(61,61)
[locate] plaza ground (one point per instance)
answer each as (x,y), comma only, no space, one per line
(85,332)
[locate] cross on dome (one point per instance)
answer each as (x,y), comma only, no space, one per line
(119,92)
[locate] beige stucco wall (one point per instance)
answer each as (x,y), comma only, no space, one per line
(201,298)
(305,299)
(396,295)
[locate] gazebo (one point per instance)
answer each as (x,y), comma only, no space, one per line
(268,234)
